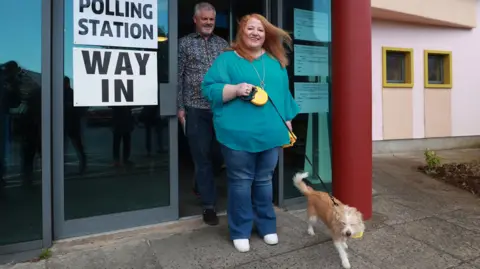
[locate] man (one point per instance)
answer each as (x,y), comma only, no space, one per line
(196,53)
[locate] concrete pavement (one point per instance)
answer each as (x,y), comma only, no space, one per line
(418,222)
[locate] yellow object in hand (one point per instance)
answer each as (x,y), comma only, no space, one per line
(260,97)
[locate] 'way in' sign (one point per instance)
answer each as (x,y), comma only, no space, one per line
(122,65)
(114,77)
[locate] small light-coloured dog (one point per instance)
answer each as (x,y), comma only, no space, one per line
(342,220)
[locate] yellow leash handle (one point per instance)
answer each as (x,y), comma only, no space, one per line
(293,139)
(259,96)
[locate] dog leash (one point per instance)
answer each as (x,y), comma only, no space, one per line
(306,157)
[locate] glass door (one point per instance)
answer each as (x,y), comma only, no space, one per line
(25,126)
(309,24)
(114,164)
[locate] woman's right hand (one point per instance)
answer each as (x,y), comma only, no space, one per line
(243,89)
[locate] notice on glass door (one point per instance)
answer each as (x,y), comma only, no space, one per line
(310,25)
(117,23)
(310,60)
(106,77)
(311,97)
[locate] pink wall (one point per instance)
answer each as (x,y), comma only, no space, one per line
(465,94)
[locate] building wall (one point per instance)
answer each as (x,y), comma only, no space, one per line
(456,13)
(405,113)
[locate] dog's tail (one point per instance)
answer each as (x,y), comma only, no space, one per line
(301,186)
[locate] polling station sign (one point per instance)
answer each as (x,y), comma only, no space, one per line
(106,77)
(119,23)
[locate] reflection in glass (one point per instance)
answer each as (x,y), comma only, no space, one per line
(435,69)
(20,122)
(395,67)
(116,158)
(312,128)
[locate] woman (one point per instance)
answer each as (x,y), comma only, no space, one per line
(250,135)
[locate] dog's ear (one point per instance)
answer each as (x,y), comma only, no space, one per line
(357,213)
(353,211)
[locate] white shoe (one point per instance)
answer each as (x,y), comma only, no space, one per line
(242,245)
(271,239)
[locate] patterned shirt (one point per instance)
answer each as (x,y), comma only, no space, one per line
(195,56)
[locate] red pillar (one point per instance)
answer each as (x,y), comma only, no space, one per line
(352,103)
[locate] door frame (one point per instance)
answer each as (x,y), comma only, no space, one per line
(117,221)
(46,240)
(272,10)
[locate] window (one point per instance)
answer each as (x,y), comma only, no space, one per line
(20,122)
(309,22)
(438,69)
(397,68)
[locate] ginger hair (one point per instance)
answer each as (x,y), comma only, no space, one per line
(275,40)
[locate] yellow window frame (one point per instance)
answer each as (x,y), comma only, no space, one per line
(447,69)
(408,67)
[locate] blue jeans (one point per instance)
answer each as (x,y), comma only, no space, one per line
(201,140)
(250,192)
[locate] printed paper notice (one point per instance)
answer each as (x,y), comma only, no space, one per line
(117,23)
(311,97)
(106,77)
(310,60)
(310,25)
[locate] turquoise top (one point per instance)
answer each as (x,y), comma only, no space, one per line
(241,125)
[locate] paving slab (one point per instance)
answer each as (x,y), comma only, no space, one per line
(447,237)
(33,265)
(211,247)
(396,213)
(260,264)
(385,182)
(206,248)
(136,254)
(476,263)
(417,222)
(320,256)
(466,218)
(130,255)
(465,266)
(458,155)
(386,248)
(94,259)
(435,203)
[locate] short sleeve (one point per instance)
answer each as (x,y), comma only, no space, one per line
(215,80)
(291,107)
